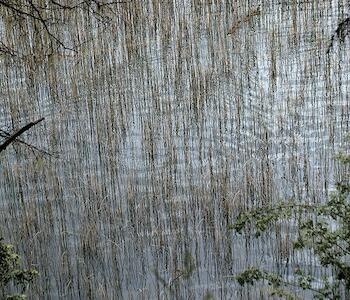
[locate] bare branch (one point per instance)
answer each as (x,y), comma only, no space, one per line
(32,10)
(5,134)
(6,49)
(13,137)
(17,10)
(44,23)
(340,33)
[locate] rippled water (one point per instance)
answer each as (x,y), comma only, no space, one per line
(169,120)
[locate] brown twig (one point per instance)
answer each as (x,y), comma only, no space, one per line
(253,13)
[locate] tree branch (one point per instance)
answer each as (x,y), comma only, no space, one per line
(13,137)
(5,134)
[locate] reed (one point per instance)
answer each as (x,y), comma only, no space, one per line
(163,127)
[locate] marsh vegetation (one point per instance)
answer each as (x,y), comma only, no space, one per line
(164,120)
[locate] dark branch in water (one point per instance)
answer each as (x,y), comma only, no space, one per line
(13,137)
(340,33)
(6,134)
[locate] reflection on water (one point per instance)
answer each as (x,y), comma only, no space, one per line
(165,125)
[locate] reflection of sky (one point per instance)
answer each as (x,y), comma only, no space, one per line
(166,134)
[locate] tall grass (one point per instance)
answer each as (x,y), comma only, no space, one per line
(171,118)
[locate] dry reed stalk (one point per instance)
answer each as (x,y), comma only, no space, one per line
(166,128)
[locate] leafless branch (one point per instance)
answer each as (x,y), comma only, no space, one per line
(6,134)
(14,136)
(30,9)
(342,31)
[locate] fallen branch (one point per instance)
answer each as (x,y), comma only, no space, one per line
(340,33)
(13,137)
(6,134)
